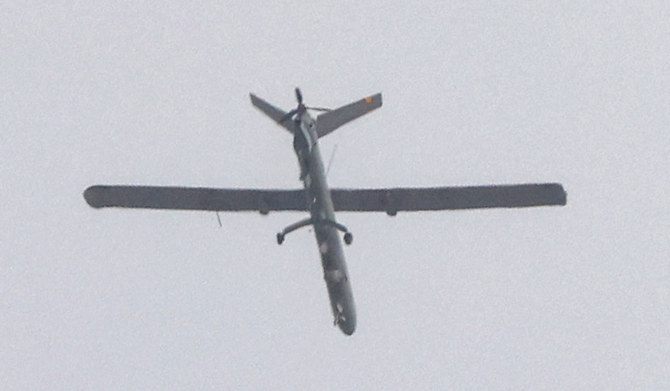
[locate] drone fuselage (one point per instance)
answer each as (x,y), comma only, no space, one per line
(326,228)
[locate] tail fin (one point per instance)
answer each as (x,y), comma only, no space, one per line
(331,120)
(276,114)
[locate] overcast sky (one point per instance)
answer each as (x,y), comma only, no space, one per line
(128,92)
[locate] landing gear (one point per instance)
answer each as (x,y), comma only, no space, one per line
(302,223)
(348,236)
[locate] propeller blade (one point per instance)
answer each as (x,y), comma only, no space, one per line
(288,115)
(319,108)
(298,95)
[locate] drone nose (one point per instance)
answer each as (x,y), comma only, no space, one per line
(347,326)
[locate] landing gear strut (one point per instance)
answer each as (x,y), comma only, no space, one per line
(302,223)
(348,236)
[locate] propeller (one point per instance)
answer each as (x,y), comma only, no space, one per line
(301,107)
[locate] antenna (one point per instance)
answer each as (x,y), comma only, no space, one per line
(330,161)
(218,218)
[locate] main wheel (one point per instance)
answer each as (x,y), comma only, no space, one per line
(280,238)
(348,238)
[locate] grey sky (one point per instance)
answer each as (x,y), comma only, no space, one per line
(134,93)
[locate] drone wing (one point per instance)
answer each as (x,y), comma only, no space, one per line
(392,201)
(195,198)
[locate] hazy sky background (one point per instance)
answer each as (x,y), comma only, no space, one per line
(129,92)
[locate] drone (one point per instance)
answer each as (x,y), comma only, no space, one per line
(320,201)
